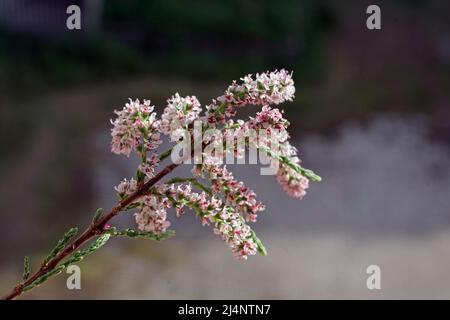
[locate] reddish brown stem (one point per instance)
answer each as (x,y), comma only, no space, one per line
(92,231)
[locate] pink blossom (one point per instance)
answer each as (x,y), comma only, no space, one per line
(180,112)
(135,127)
(231,227)
(227,222)
(269,118)
(152,216)
(229,205)
(293,183)
(237,194)
(149,165)
(269,88)
(126,187)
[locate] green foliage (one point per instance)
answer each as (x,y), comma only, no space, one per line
(260,247)
(44,278)
(61,244)
(81,254)
(97,215)
(141,234)
(26,268)
(165,154)
(298,168)
(76,257)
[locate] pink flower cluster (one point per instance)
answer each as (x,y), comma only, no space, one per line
(228,224)
(152,216)
(148,166)
(236,193)
(183,196)
(126,187)
(179,113)
(269,88)
(276,140)
(232,229)
(272,121)
(269,118)
(135,128)
(230,204)
(293,183)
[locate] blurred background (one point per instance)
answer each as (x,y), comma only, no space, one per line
(371,116)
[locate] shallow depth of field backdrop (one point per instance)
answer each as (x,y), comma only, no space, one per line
(371,116)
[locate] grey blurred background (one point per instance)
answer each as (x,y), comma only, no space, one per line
(371,115)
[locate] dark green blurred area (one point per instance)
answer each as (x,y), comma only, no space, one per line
(195,38)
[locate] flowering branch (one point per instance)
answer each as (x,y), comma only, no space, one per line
(225,203)
(47,268)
